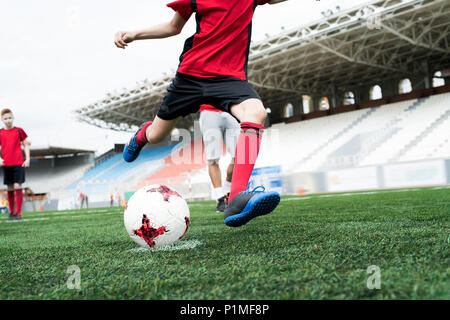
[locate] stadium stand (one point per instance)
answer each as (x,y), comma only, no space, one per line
(388,133)
(52,169)
(301,140)
(185,171)
(432,142)
(410,127)
(55,168)
(114,173)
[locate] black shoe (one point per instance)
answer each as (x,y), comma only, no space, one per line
(222,204)
(250,204)
(11,216)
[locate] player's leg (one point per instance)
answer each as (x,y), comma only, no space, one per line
(216,179)
(246,205)
(11,199)
(226,186)
(150,132)
(19,179)
(216,176)
(8,180)
(210,123)
(232,130)
(183,97)
(251,114)
(19,199)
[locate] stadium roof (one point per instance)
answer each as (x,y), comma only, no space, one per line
(52,151)
(360,46)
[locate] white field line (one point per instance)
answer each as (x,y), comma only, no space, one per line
(77,212)
(59,217)
(353,194)
(25,220)
(333,195)
(438,188)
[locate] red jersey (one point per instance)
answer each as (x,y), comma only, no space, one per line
(207,107)
(221,44)
(10,141)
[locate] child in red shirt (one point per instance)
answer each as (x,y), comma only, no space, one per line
(212,70)
(11,140)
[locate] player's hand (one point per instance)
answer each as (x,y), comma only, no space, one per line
(122,38)
(1,162)
(26,164)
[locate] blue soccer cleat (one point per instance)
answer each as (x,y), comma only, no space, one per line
(250,204)
(132,149)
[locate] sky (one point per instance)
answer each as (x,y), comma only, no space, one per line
(58,55)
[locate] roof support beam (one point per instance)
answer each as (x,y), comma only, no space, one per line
(332,48)
(417,42)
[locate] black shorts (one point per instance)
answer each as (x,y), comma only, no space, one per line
(13,174)
(186,93)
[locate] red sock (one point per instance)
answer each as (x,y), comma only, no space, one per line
(141,136)
(247,150)
(11,201)
(19,198)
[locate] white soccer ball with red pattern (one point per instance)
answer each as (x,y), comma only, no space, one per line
(156,216)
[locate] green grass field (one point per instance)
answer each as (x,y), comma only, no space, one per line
(314,247)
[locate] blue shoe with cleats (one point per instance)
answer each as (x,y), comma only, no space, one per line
(132,149)
(247,205)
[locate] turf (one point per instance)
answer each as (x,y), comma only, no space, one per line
(315,247)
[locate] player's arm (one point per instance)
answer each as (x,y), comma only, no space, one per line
(26,148)
(163,30)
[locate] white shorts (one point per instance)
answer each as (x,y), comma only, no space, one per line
(217,127)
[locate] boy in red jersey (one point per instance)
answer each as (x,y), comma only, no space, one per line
(11,140)
(212,70)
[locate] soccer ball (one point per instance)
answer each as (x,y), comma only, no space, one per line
(156,216)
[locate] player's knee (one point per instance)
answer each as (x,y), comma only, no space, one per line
(259,113)
(17,186)
(262,114)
